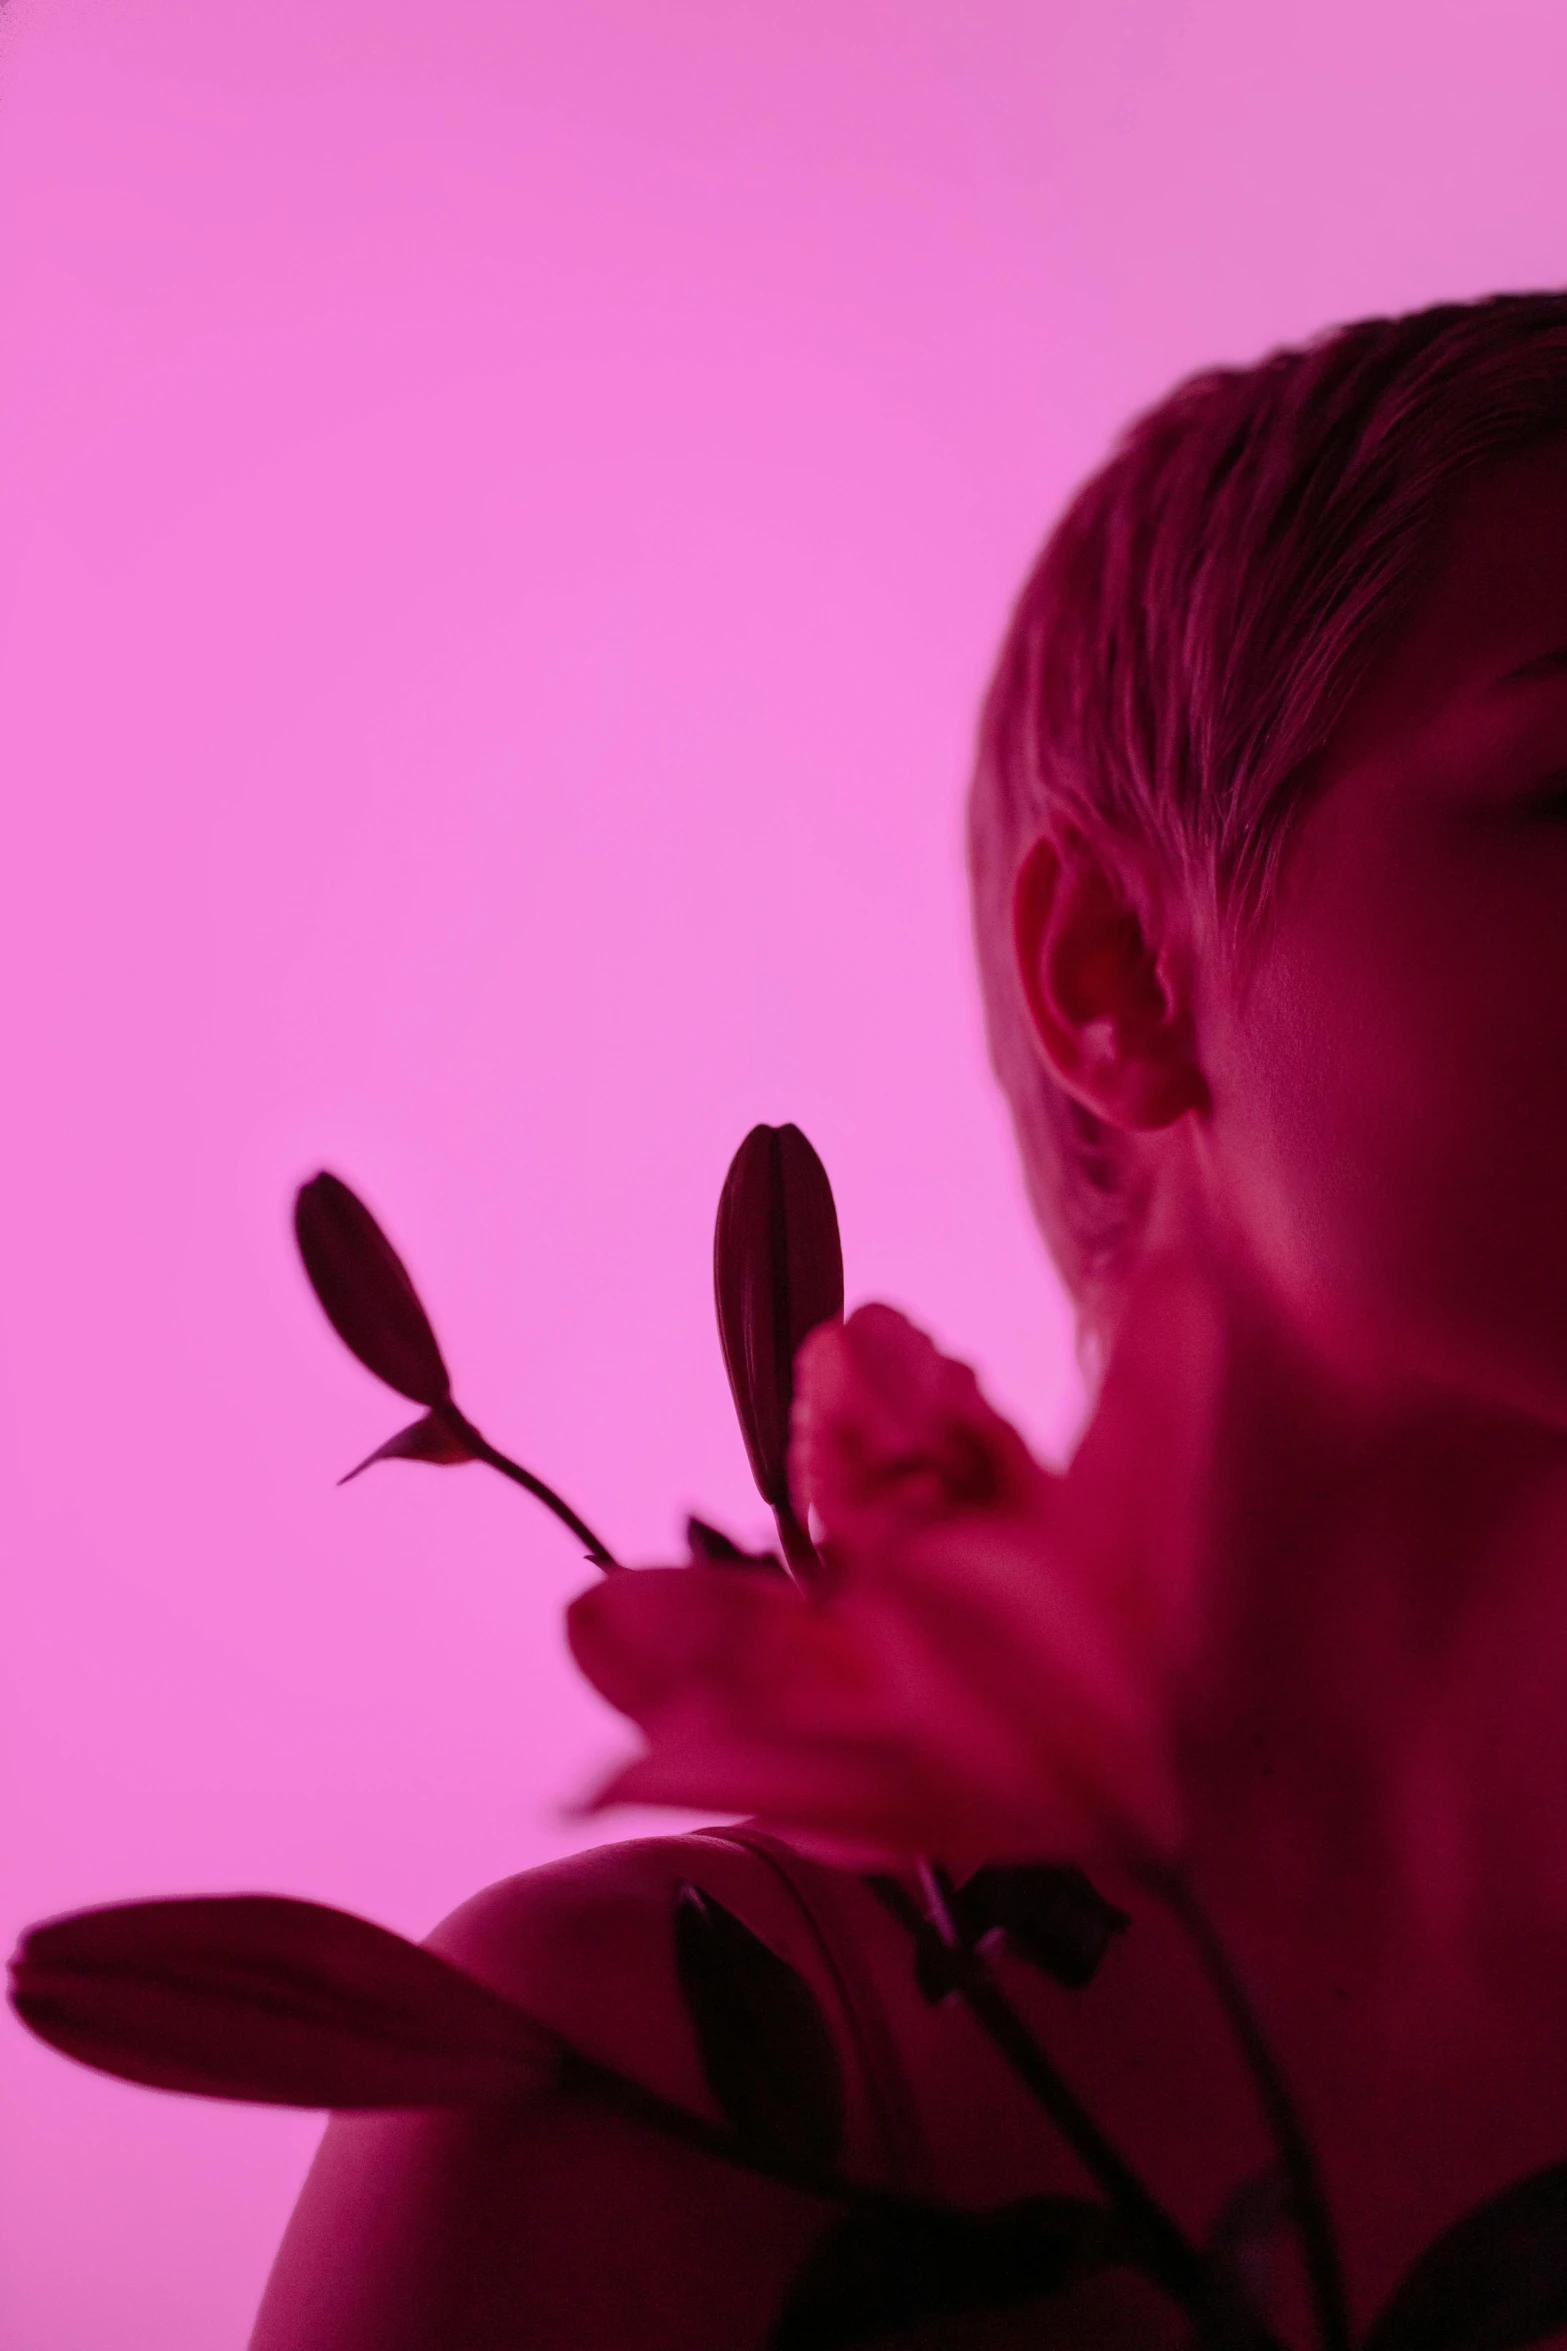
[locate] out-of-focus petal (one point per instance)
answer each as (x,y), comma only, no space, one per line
(904,1718)
(987,1673)
(643,1638)
(890,1435)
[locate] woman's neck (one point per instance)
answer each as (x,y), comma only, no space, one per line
(1371,1735)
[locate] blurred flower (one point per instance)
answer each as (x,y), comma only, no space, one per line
(985,1673)
(289,2003)
(364,1288)
(777,1275)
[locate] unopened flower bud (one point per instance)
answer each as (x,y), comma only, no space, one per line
(365,1291)
(777,1273)
(288,2003)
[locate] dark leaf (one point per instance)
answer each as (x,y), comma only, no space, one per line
(711,1547)
(434,1438)
(365,1291)
(777,1273)
(1048,1911)
(288,2003)
(939,1970)
(766,2048)
(1494,2280)
(879,2270)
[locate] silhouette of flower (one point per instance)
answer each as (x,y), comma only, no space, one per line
(777,1274)
(984,1672)
(367,1296)
(364,1291)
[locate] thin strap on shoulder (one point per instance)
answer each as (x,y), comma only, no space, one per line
(889,2088)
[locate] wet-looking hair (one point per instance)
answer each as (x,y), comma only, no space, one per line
(1197,621)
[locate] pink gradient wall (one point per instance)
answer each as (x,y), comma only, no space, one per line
(504,513)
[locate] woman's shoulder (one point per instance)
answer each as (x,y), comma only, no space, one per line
(552,2221)
(588,1945)
(557,2224)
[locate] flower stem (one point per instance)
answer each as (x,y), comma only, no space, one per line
(482,1450)
(1169,2255)
(1308,2198)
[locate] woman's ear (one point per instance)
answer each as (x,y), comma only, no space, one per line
(1106,1012)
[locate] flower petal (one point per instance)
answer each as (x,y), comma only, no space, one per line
(988,1670)
(890,1435)
(905,1718)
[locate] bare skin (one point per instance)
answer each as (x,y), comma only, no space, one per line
(1361,1140)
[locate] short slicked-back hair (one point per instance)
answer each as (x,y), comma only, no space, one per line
(1197,621)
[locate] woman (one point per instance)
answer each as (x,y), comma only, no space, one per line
(1269,839)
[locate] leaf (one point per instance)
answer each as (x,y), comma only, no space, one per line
(939,1970)
(288,2003)
(434,1438)
(766,2048)
(1048,1911)
(1494,2280)
(880,2269)
(365,1291)
(777,1273)
(711,1547)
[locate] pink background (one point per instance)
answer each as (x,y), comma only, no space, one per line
(504,513)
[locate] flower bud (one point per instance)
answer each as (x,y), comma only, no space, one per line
(777,1273)
(365,1291)
(287,2003)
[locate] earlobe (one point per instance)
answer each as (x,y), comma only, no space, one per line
(1105,1015)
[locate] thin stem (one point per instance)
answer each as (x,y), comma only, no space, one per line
(1170,2255)
(599,1553)
(1308,2197)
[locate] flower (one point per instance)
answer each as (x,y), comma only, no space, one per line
(985,1672)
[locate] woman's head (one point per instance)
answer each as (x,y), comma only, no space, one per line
(1260,606)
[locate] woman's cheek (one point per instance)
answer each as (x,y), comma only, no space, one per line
(1393,1109)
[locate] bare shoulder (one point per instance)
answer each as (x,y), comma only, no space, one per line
(556,2223)
(586,1944)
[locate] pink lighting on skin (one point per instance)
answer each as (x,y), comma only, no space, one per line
(503,517)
